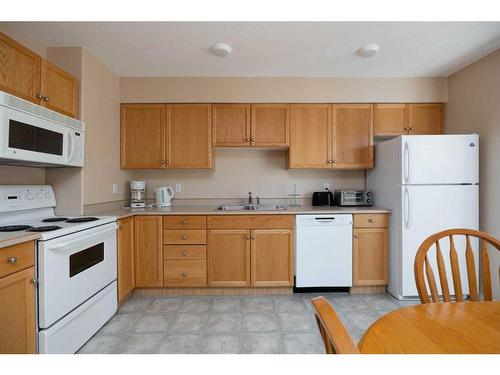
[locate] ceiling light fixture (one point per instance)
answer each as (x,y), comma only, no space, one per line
(369,50)
(220,49)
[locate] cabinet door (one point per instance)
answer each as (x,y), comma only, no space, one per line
(142,136)
(270,125)
(352,136)
(126,281)
(231,125)
(272,257)
(228,257)
(60,90)
(310,135)
(20,70)
(426,118)
(370,256)
(390,119)
(17,312)
(148,251)
(189,142)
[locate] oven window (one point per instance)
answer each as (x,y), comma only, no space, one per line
(85,259)
(28,137)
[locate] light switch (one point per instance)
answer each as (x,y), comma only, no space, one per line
(115,188)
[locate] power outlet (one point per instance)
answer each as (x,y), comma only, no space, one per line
(326,186)
(115,188)
(178,188)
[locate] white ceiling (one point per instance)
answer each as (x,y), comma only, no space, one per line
(314,49)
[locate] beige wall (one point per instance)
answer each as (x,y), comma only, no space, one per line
(474,106)
(291,90)
(23,38)
(100,110)
(238,171)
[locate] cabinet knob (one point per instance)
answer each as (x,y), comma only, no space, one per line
(412,128)
(370,220)
(253,237)
(184,222)
(166,161)
(252,139)
(247,139)
(34,281)
(247,237)
(184,253)
(46,98)
(329,161)
(12,260)
(334,161)
(184,237)
(184,274)
(120,227)
(356,236)
(39,95)
(162,162)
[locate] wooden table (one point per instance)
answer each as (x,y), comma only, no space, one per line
(457,327)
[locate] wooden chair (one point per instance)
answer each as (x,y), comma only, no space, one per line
(422,262)
(335,337)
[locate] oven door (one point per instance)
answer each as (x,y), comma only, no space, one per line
(73,268)
(32,139)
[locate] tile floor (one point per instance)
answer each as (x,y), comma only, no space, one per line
(231,324)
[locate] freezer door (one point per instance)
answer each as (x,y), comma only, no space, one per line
(430,209)
(439,159)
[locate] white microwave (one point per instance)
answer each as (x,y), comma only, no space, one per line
(31,135)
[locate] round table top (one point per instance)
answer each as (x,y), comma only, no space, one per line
(455,327)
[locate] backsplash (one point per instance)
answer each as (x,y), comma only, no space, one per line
(238,171)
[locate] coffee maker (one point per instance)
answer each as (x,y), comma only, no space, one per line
(137,194)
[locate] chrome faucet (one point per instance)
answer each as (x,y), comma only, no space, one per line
(250,198)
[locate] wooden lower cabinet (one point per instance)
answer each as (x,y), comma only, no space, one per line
(17,312)
(148,251)
(370,250)
(228,257)
(272,257)
(126,272)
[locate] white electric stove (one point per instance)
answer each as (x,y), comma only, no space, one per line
(75,266)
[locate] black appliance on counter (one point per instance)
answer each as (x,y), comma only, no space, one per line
(323,198)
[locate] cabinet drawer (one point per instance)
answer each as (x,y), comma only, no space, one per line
(185,273)
(184,222)
(371,220)
(16,258)
(184,236)
(171,252)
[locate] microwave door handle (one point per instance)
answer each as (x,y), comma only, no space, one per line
(71,149)
(64,244)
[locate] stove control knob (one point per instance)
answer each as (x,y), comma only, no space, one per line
(30,196)
(47,195)
(39,195)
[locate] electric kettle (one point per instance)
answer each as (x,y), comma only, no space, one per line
(164,195)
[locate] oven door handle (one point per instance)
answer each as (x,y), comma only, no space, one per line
(64,244)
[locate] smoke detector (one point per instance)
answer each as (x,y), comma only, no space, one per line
(369,50)
(220,49)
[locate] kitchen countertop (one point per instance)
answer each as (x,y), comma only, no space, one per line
(13,238)
(123,212)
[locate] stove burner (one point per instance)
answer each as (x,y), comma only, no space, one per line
(81,219)
(46,228)
(54,219)
(14,228)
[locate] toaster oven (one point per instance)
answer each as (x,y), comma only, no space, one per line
(353,198)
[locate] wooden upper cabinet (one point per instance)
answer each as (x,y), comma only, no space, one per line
(425,118)
(125,244)
(352,136)
(310,136)
(189,136)
(142,136)
(272,257)
(228,257)
(231,125)
(390,119)
(60,90)
(148,251)
(20,70)
(270,125)
(17,312)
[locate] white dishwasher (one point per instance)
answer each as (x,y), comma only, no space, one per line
(323,251)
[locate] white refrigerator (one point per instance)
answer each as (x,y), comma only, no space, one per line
(430,183)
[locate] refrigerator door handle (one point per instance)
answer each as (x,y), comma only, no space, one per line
(406,161)
(406,208)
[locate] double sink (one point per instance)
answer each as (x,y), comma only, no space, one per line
(251,207)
